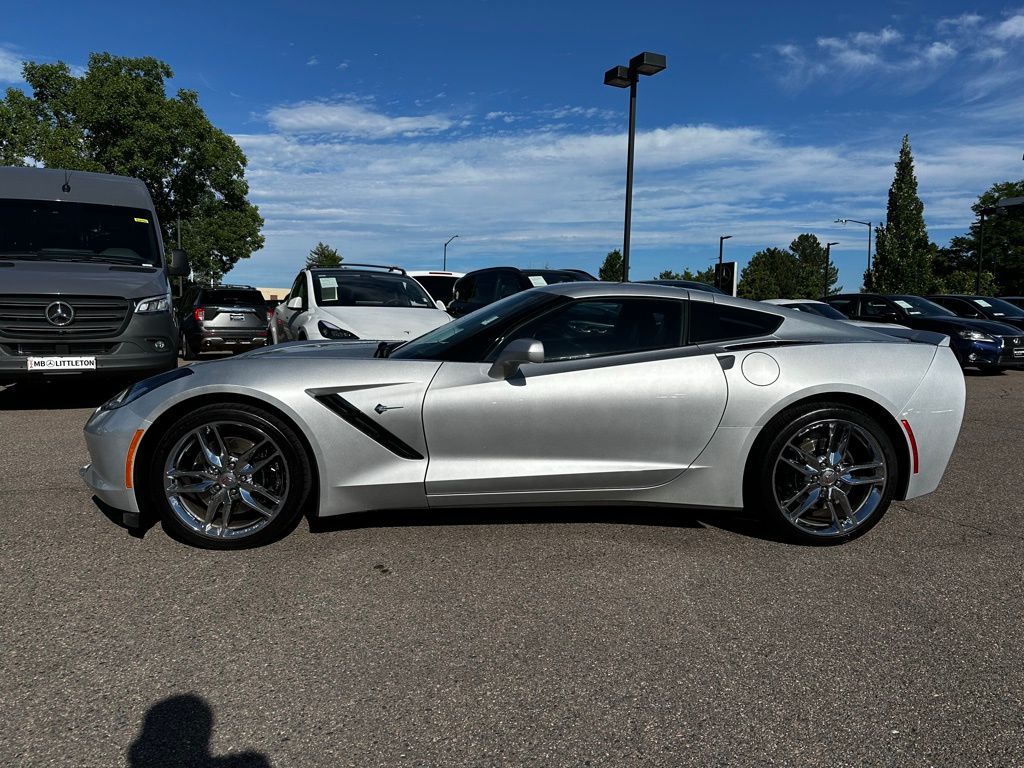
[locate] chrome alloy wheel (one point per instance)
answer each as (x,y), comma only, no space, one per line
(830,478)
(226,480)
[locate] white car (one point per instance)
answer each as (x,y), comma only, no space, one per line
(438,284)
(821,309)
(356,301)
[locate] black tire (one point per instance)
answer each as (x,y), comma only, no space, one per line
(299,475)
(991,370)
(187,352)
(760,488)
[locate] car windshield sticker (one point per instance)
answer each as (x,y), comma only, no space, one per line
(982,303)
(328,282)
(908,306)
(329,288)
(141,221)
(537,280)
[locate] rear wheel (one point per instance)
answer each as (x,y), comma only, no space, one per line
(229,477)
(828,475)
(187,351)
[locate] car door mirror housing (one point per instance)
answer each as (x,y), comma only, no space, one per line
(440,305)
(178,265)
(294,303)
(513,355)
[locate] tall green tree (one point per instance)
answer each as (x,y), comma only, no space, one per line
(701,276)
(770,274)
(902,250)
(809,255)
(611,269)
(1004,246)
(118,118)
(323,256)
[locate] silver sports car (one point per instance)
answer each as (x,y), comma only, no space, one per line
(576,393)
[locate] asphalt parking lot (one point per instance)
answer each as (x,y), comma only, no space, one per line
(622,637)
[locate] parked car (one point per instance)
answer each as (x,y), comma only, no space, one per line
(983,344)
(485,286)
(356,301)
(437,283)
(691,285)
(821,309)
(575,393)
(84,285)
(222,318)
(982,308)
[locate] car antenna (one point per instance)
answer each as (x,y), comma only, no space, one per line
(67,183)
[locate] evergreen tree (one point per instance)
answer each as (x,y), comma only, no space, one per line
(902,249)
(809,256)
(703,276)
(611,269)
(323,256)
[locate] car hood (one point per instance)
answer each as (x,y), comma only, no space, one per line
(330,350)
(78,278)
(385,323)
(947,324)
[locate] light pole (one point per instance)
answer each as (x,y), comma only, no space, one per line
(721,240)
(645,63)
(444,263)
(866,224)
(828,256)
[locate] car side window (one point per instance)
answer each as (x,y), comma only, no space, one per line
(464,288)
(597,327)
(962,308)
(847,306)
(877,308)
(486,289)
(710,322)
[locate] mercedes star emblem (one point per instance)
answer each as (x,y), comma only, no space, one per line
(60,313)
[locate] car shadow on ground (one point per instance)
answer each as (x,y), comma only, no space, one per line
(58,394)
(734,521)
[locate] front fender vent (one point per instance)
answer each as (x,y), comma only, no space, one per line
(368,426)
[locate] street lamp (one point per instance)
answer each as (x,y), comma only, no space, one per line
(828,255)
(866,224)
(645,63)
(721,240)
(444,264)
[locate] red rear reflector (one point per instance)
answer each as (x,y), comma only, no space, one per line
(130,459)
(913,444)
(270,314)
(199,314)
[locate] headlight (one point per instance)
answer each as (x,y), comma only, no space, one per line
(153,305)
(135,391)
(331,331)
(975,336)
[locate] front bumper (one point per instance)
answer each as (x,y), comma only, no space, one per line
(999,354)
(147,343)
(109,439)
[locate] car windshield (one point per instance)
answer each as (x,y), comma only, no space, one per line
(41,230)
(916,306)
(538,277)
(468,338)
(996,307)
(824,310)
(348,288)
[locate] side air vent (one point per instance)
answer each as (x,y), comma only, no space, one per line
(368,426)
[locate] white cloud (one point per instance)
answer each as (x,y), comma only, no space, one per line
(1010,29)
(10,66)
(343,65)
(312,61)
(314,117)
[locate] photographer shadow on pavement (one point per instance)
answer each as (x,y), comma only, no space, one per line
(176,733)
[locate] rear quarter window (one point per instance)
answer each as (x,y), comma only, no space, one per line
(720,322)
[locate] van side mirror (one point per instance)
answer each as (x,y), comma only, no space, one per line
(513,355)
(294,303)
(179,264)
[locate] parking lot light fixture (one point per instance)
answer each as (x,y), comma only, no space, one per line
(828,258)
(866,224)
(444,262)
(645,63)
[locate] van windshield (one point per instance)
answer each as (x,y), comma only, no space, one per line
(42,230)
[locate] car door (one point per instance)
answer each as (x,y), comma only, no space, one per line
(620,402)
(289,319)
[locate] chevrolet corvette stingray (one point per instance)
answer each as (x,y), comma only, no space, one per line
(576,393)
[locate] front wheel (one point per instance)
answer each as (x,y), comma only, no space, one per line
(828,475)
(229,477)
(187,351)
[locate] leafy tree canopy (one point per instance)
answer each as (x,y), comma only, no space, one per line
(701,276)
(323,256)
(770,274)
(611,269)
(117,118)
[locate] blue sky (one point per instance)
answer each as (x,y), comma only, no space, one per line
(385,128)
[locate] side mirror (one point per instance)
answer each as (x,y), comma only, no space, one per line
(179,264)
(515,353)
(294,303)
(440,305)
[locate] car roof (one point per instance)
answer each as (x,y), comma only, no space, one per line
(85,187)
(433,273)
(793,301)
